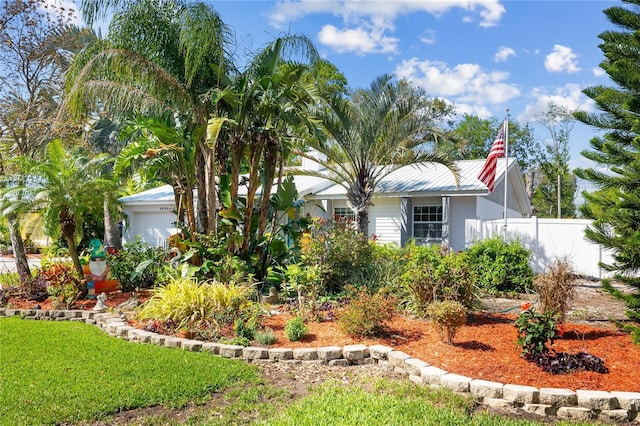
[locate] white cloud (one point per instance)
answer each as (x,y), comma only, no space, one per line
(365,23)
(562,59)
(598,72)
(503,54)
(489,11)
(357,40)
(462,84)
(428,37)
(569,96)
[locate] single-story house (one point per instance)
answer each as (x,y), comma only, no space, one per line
(420,201)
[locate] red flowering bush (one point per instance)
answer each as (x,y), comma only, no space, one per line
(536,331)
(536,334)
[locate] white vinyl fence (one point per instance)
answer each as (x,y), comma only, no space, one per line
(548,240)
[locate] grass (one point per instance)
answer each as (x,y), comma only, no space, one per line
(54,372)
(71,373)
(388,403)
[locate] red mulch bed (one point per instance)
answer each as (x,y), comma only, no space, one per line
(483,349)
(486,349)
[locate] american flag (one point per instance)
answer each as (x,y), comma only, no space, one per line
(488,172)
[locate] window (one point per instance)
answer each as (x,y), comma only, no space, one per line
(427,222)
(343,214)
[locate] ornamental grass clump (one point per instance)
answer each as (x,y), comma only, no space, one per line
(186,302)
(447,316)
(556,288)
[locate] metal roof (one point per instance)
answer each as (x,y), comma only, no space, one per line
(164,194)
(160,195)
(427,177)
(431,178)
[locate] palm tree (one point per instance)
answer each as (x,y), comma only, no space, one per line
(162,59)
(379,131)
(65,186)
(39,47)
(257,111)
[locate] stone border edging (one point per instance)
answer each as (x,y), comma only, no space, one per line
(581,405)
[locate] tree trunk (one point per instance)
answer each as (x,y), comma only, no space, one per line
(362,217)
(201,185)
(73,252)
(68,228)
(19,253)
(211,192)
(112,236)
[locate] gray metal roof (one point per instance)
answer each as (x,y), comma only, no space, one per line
(160,195)
(430,178)
(164,194)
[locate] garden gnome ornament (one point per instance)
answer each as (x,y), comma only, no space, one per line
(101,306)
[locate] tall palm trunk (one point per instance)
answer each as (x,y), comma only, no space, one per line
(19,252)
(202,189)
(257,147)
(211,192)
(68,228)
(112,236)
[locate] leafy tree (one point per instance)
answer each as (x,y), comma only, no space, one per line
(162,59)
(35,49)
(473,136)
(65,186)
(553,167)
(377,132)
(258,109)
(615,207)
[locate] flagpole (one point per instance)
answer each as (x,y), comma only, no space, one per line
(506,169)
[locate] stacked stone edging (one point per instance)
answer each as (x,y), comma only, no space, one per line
(581,405)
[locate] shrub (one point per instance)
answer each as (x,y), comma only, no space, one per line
(501,266)
(214,261)
(339,250)
(434,274)
(366,314)
(35,288)
(63,284)
(266,337)
(447,316)
(536,331)
(385,269)
(186,302)
(136,266)
(295,329)
(556,288)
(305,281)
(10,279)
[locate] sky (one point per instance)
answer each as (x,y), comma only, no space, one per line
(486,57)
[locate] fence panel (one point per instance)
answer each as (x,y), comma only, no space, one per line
(548,240)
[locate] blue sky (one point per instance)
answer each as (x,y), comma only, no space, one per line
(484,56)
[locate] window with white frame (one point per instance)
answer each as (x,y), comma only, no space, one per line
(343,214)
(427,222)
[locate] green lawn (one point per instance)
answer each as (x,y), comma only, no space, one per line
(68,372)
(53,372)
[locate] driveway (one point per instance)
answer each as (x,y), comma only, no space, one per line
(8,264)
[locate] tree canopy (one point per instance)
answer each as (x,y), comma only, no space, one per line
(615,207)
